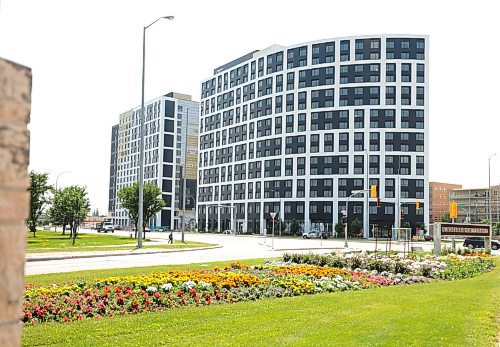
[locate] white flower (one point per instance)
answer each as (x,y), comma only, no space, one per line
(188,285)
(151,289)
(204,285)
(167,287)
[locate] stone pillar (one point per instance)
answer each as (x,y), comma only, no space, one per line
(15,103)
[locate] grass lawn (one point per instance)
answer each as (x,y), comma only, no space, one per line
(451,313)
(49,241)
(55,240)
(124,247)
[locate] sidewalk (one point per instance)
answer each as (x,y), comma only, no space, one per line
(34,257)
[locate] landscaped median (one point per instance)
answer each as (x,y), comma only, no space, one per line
(54,242)
(442,312)
(172,289)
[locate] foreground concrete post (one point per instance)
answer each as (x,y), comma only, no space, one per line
(15,105)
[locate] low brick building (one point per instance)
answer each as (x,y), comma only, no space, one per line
(439,197)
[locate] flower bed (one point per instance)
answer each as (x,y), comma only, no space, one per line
(167,290)
(450,267)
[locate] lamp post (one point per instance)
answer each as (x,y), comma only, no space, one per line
(57,178)
(141,148)
(487,241)
(366,204)
(183,225)
(280,215)
(273,215)
(347,212)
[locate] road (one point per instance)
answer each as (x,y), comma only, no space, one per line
(233,248)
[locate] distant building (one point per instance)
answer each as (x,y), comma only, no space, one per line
(171,124)
(112,171)
(439,196)
(473,204)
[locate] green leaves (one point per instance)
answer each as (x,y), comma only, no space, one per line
(152,201)
(70,205)
(39,189)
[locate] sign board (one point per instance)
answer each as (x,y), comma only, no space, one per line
(459,229)
(456,229)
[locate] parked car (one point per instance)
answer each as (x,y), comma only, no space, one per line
(428,238)
(310,234)
(107,226)
(478,242)
(325,234)
(227,231)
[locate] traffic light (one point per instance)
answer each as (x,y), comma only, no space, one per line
(402,214)
(344,220)
(453,210)
(417,204)
(373,191)
(379,203)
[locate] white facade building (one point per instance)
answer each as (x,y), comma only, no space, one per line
(298,129)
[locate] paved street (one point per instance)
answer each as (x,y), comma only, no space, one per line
(233,247)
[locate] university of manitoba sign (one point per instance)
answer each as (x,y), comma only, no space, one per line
(453,229)
(460,230)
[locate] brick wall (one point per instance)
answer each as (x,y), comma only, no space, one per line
(15,106)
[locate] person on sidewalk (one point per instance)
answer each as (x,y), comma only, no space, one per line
(171,238)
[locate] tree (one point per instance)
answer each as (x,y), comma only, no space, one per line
(356,227)
(496,229)
(71,205)
(58,212)
(339,229)
(78,206)
(446,218)
(39,199)
(278,223)
(295,227)
(152,202)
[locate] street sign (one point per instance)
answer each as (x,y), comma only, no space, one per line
(455,229)
(273,214)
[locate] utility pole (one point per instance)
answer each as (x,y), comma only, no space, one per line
(184,176)
(366,205)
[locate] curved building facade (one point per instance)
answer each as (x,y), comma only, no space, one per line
(296,130)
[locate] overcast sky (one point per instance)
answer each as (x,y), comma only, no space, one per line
(86,60)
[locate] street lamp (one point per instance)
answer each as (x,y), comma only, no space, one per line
(280,215)
(57,178)
(489,200)
(141,149)
(273,215)
(183,225)
(347,212)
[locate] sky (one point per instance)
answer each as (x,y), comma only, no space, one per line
(86,59)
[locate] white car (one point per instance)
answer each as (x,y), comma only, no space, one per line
(310,234)
(108,227)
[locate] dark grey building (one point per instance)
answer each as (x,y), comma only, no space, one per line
(112,171)
(170,144)
(296,130)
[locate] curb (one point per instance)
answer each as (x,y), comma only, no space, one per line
(29,260)
(306,249)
